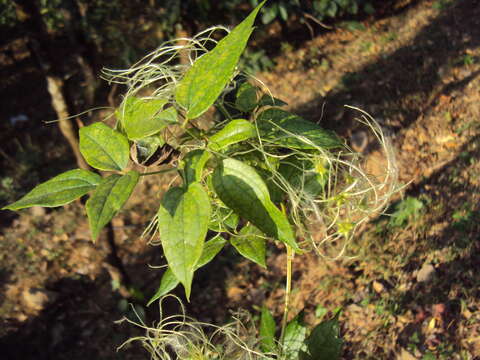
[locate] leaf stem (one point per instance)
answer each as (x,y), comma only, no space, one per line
(223,110)
(159,171)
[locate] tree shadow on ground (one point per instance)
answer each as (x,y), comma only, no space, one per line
(399,90)
(78,324)
(454,282)
(403,86)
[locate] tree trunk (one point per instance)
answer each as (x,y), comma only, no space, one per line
(66,126)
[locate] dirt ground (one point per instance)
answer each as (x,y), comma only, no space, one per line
(409,287)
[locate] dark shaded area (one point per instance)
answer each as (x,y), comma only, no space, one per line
(75,326)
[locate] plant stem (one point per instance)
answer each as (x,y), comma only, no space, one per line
(288,285)
(158,172)
(288,290)
(224,111)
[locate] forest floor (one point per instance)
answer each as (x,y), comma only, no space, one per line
(409,287)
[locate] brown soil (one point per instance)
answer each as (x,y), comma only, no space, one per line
(406,292)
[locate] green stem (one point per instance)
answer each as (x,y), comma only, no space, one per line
(158,172)
(224,111)
(288,290)
(288,286)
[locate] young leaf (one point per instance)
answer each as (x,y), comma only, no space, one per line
(251,244)
(294,337)
(183,223)
(144,117)
(324,342)
(286,129)
(193,164)
(104,148)
(240,187)
(267,331)
(58,191)
(206,79)
(109,197)
(170,282)
(233,132)
(246,99)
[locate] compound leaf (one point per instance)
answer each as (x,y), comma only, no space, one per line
(251,244)
(104,148)
(267,330)
(109,197)
(289,130)
(240,187)
(233,132)
(58,191)
(209,74)
(183,223)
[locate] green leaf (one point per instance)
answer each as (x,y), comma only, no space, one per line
(109,197)
(167,284)
(353,8)
(144,117)
(170,282)
(267,100)
(332,9)
(324,342)
(193,164)
(294,338)
(408,208)
(146,147)
(289,130)
(208,76)
(246,99)
(210,250)
(183,223)
(269,14)
(276,193)
(104,148)
(58,191)
(267,331)
(283,12)
(304,176)
(251,244)
(221,218)
(233,132)
(240,187)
